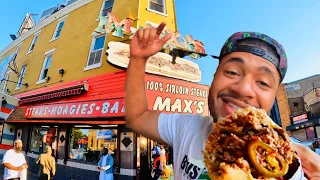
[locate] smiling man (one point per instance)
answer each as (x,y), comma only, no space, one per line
(251,67)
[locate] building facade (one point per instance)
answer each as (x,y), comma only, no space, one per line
(68,72)
(303,103)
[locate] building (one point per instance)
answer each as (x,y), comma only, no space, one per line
(303,103)
(68,72)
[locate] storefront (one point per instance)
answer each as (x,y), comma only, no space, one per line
(79,118)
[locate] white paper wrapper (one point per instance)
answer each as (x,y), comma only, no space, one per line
(299,175)
(23,174)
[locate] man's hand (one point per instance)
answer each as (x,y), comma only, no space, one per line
(25,166)
(99,167)
(147,42)
(310,161)
(20,168)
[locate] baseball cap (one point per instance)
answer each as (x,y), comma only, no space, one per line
(279,61)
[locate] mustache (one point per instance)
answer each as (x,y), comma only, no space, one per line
(235,96)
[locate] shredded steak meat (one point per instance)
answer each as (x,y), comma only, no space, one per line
(230,137)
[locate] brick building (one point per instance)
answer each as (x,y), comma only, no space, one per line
(299,106)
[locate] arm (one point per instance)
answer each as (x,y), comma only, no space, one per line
(144,44)
(53,169)
(9,166)
(99,163)
(6,160)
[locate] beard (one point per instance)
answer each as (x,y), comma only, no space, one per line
(211,107)
(18,149)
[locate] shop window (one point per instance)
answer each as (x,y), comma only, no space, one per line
(86,144)
(96,52)
(41,137)
(58,29)
(106,7)
(22,73)
(33,43)
(157,6)
(45,66)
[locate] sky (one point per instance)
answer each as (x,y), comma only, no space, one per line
(293,23)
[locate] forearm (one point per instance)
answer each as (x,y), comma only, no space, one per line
(136,101)
(9,166)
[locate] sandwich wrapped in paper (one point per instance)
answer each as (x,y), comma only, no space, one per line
(248,145)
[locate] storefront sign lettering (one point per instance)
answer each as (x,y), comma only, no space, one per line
(300,119)
(101,108)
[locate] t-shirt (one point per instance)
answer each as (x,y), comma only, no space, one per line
(15,159)
(187,135)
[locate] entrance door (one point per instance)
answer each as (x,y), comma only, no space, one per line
(49,137)
(143,160)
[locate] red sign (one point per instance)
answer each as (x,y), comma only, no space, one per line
(99,108)
(299,119)
(166,95)
(175,96)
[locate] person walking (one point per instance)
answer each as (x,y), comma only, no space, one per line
(47,164)
(15,163)
(105,165)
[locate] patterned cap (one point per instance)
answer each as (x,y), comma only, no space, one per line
(231,46)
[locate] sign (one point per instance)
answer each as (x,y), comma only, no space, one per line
(126,141)
(98,108)
(104,134)
(166,95)
(55,94)
(300,119)
(159,64)
(173,96)
(292,87)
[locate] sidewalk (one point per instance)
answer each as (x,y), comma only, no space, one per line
(30,175)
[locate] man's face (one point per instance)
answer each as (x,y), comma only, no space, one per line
(242,80)
(18,147)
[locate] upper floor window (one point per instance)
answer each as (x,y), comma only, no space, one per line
(5,83)
(16,52)
(96,51)
(23,71)
(33,43)
(106,7)
(45,66)
(58,29)
(158,6)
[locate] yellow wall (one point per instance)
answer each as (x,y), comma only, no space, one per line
(73,46)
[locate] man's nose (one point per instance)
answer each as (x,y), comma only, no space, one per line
(244,88)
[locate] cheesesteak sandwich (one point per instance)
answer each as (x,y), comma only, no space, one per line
(248,145)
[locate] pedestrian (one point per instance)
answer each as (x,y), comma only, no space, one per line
(47,164)
(15,163)
(251,67)
(105,165)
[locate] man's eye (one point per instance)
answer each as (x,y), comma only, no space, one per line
(263,83)
(232,73)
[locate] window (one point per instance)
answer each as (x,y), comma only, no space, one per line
(45,66)
(5,83)
(58,30)
(295,104)
(96,51)
(68,2)
(23,71)
(157,6)
(86,144)
(16,53)
(106,7)
(41,137)
(33,43)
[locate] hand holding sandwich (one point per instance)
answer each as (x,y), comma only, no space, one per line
(147,42)
(310,161)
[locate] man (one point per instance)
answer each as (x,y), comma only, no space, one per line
(47,164)
(105,165)
(251,67)
(158,163)
(14,162)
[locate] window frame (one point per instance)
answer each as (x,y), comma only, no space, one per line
(33,42)
(69,145)
(93,41)
(21,77)
(46,55)
(101,9)
(164,13)
(63,19)
(5,84)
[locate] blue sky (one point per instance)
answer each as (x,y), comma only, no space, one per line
(294,23)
